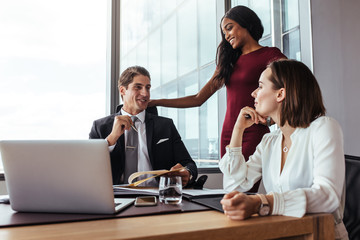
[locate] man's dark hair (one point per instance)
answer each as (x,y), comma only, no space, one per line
(128,75)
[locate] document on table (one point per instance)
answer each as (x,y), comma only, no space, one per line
(121,190)
(204,192)
(190,192)
(207,197)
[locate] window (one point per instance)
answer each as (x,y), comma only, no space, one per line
(291,28)
(53,68)
(177,44)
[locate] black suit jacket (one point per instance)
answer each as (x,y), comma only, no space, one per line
(162,155)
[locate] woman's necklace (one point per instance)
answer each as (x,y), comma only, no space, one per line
(285,149)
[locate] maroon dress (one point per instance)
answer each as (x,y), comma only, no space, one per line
(243,81)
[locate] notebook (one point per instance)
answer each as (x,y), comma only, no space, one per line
(62,176)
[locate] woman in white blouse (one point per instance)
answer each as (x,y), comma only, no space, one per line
(301,164)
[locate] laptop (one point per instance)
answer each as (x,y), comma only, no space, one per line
(60,176)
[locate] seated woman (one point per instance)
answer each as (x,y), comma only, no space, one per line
(301,164)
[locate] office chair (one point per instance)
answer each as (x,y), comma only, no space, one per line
(352,202)
(198,183)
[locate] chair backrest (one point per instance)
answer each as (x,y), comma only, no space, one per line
(152,110)
(352,202)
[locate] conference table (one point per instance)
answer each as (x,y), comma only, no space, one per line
(205,225)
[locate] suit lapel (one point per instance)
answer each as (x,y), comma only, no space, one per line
(149,123)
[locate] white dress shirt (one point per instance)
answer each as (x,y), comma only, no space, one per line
(312,179)
(144,163)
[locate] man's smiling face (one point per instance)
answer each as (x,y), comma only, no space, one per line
(137,95)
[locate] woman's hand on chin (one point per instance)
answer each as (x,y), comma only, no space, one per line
(247,117)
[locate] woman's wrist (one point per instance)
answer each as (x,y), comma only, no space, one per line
(256,203)
(236,138)
(238,127)
(153,103)
(270,199)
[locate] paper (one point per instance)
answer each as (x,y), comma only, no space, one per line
(156,173)
(127,190)
(124,189)
(203,192)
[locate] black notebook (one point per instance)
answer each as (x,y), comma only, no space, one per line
(212,202)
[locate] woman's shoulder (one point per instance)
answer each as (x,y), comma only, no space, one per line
(271,136)
(325,126)
(324,121)
(276,52)
(272,54)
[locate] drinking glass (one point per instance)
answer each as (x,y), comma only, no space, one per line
(170,189)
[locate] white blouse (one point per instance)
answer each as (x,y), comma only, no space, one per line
(312,178)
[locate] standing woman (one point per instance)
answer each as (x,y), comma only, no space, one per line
(240,61)
(301,164)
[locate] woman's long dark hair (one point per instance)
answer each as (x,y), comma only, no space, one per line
(226,56)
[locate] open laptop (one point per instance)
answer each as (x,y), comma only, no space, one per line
(63,176)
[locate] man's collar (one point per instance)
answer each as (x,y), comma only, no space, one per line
(140,115)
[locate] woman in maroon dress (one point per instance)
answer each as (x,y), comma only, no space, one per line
(240,61)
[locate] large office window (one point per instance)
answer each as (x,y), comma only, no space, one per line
(176,42)
(52,68)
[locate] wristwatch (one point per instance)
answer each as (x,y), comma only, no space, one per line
(264,207)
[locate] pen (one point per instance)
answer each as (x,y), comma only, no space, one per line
(133,127)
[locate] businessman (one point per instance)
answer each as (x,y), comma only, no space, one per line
(138,140)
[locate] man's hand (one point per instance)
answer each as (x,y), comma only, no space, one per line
(121,123)
(239,206)
(184,174)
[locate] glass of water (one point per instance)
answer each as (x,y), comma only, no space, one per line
(170,189)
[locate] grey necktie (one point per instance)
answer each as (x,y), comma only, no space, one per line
(131,151)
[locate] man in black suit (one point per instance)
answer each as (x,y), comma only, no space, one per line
(159,143)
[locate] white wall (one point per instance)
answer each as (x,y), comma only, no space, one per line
(336,51)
